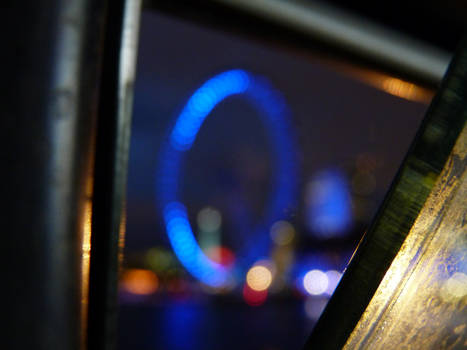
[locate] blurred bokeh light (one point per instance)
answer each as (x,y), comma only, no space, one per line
(139,281)
(329,204)
(315,282)
(259,278)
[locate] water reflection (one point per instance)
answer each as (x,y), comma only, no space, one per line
(194,324)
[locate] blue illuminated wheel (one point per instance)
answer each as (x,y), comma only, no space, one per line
(275,117)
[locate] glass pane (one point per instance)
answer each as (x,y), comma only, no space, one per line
(254,171)
(421,302)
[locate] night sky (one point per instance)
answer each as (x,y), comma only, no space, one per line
(335,118)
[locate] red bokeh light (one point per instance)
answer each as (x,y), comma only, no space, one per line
(221,255)
(253,297)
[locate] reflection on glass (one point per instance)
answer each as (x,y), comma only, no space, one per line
(85,263)
(402,89)
(314,307)
(422,301)
(391,85)
(333,280)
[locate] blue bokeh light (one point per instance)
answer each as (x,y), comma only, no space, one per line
(187,249)
(202,102)
(329,204)
(275,117)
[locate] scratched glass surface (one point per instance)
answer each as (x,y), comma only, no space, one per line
(422,300)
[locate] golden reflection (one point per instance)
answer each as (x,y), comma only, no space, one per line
(454,288)
(389,84)
(121,235)
(421,302)
(86,223)
(86,244)
(379,80)
(85,263)
(401,88)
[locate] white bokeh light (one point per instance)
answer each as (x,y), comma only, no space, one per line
(315,282)
(333,280)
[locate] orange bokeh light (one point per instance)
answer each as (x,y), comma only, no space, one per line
(139,281)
